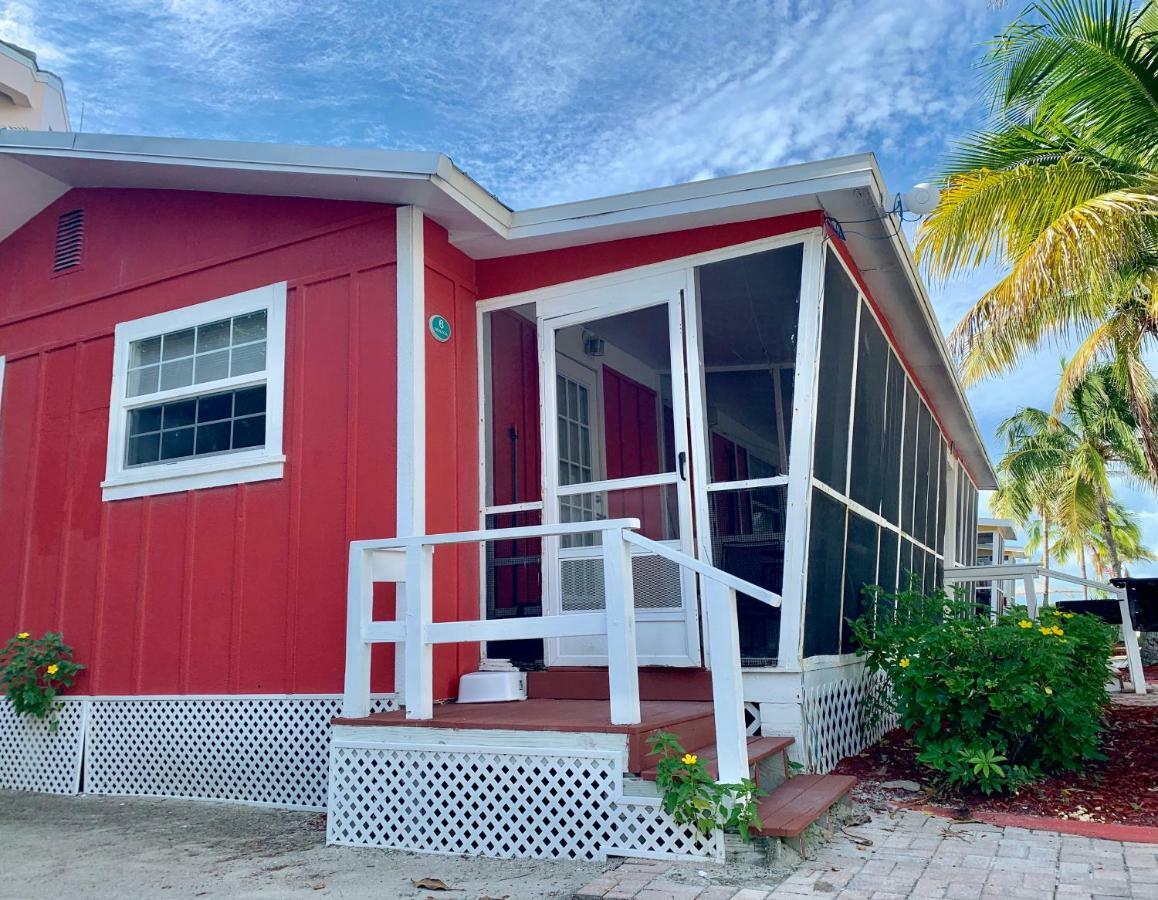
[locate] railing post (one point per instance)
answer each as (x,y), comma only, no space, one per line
(1130,639)
(359,610)
(619,601)
(1030,597)
(727,681)
(419,658)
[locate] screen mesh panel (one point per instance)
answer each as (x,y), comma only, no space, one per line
(867,486)
(860,571)
(891,443)
(834,385)
(514,585)
(747,533)
(825,576)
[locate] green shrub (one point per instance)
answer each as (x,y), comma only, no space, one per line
(33,671)
(691,796)
(989,705)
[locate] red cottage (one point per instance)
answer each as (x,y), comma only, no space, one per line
(290,434)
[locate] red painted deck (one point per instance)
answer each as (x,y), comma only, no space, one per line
(691,721)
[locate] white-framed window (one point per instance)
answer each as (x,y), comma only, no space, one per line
(198,396)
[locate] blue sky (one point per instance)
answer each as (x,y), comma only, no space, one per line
(544,101)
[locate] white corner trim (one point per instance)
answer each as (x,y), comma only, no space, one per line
(259,464)
(411,300)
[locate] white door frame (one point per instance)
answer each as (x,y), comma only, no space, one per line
(568,309)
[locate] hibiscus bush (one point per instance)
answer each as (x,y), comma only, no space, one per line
(989,705)
(33,671)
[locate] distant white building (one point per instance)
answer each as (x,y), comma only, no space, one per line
(994,549)
(31,99)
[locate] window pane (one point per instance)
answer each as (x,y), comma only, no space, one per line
(214,336)
(177,344)
(250,358)
(144,381)
(175,444)
(213,438)
(183,412)
(145,420)
(211,366)
(144,353)
(249,432)
(250,327)
(144,449)
(834,386)
(176,374)
(749,307)
(217,406)
(249,401)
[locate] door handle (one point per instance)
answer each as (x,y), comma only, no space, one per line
(683,461)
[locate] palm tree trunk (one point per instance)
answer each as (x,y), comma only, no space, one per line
(1108,528)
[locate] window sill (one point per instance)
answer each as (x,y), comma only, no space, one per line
(193,475)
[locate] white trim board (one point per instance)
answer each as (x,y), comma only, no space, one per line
(237,467)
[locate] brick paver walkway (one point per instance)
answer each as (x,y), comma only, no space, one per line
(913,855)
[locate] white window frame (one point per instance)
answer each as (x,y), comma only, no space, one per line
(240,467)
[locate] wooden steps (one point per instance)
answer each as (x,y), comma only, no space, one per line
(592,684)
(759,749)
(801,800)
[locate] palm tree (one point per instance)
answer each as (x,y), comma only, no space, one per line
(1060,467)
(1062,190)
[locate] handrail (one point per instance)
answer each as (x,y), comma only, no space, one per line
(408,563)
(1028,572)
(496,534)
(702,568)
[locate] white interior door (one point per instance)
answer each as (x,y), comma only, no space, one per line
(615,445)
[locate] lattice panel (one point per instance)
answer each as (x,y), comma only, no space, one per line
(476,801)
(835,723)
(269,751)
(640,827)
(35,758)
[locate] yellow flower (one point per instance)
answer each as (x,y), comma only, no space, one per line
(904,663)
(1057,631)
(53,669)
(690,759)
(23,636)
(1025,623)
(1068,615)
(1045,630)
(1049,690)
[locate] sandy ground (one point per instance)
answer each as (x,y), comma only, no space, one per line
(105,848)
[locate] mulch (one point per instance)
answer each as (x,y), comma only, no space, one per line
(1123,789)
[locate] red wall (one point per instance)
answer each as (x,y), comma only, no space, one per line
(240,588)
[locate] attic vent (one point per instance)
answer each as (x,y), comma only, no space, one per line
(69,240)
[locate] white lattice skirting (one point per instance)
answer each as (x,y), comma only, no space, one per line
(835,724)
(264,749)
(470,795)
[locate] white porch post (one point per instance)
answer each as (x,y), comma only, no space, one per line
(359,609)
(727,681)
(1030,597)
(1130,640)
(411,387)
(622,659)
(800,455)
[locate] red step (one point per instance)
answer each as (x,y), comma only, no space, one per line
(759,748)
(801,800)
(588,683)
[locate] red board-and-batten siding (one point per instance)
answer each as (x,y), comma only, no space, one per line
(236,589)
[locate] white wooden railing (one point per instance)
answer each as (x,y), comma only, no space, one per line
(1028,574)
(408,562)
